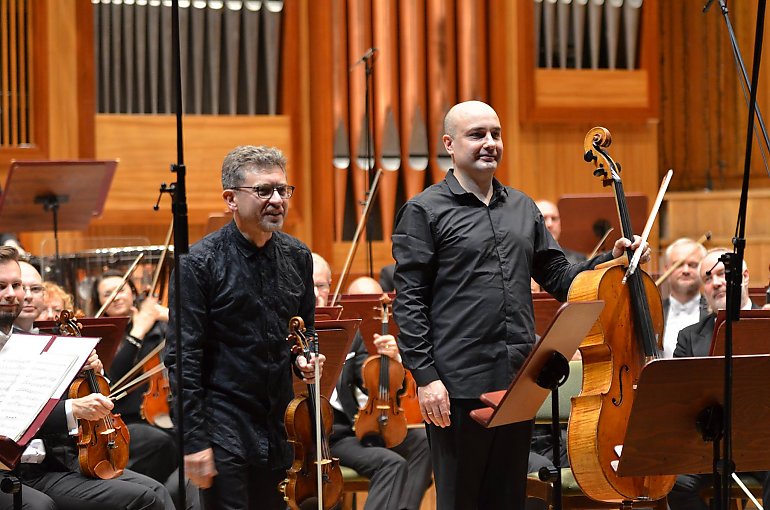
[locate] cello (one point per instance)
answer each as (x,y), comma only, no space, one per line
(102,444)
(314,473)
(382,421)
(624,338)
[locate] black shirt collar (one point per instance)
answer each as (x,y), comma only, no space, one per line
(498,190)
(244,246)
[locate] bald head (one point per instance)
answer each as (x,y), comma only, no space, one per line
(364,285)
(460,114)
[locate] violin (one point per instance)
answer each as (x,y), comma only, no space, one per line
(314,473)
(155,401)
(614,352)
(382,421)
(102,444)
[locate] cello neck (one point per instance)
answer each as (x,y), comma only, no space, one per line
(645,332)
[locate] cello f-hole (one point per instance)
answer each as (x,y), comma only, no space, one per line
(617,402)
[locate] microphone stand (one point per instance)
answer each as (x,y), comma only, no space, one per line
(733,262)
(368,61)
(178,191)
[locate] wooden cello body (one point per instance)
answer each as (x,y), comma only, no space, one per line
(623,340)
(611,367)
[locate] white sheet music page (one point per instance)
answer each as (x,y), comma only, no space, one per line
(29,378)
(25,398)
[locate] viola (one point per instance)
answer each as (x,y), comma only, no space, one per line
(155,400)
(614,352)
(314,473)
(382,421)
(102,444)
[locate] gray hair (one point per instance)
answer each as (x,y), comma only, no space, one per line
(250,158)
(718,249)
(685,241)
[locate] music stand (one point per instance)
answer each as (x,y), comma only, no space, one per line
(662,436)
(109,329)
(328,313)
(73,191)
(586,217)
(334,340)
(544,370)
(368,308)
(545,306)
(753,330)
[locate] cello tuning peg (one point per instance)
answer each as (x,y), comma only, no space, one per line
(600,172)
(589,156)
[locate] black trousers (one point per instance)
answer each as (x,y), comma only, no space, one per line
(242,486)
(73,491)
(398,478)
(479,468)
(152,451)
(31,500)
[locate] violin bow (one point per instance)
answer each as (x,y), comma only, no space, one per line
(162,259)
(601,242)
(648,227)
(115,292)
(662,278)
(356,236)
(116,387)
(318,443)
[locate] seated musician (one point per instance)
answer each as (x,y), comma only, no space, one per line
(553,223)
(50,471)
(34,294)
(398,477)
(685,304)
(55,300)
(153,450)
(695,340)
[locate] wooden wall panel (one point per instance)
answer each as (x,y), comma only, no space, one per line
(704,115)
(690,214)
(146,146)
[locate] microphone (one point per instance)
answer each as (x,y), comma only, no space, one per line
(370,54)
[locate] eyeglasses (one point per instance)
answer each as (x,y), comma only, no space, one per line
(34,289)
(265,191)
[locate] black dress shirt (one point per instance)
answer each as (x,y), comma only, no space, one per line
(237,300)
(463,301)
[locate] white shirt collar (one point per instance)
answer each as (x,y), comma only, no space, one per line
(688,308)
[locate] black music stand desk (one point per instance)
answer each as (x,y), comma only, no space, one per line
(662,438)
(73,191)
(334,340)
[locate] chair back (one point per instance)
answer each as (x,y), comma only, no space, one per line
(571,388)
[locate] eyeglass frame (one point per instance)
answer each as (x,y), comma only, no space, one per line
(33,289)
(274,188)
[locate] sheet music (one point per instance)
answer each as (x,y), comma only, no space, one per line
(29,378)
(35,383)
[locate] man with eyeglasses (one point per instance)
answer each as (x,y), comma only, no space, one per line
(34,298)
(241,286)
(49,466)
